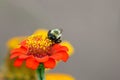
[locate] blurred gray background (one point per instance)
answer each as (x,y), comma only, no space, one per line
(92,26)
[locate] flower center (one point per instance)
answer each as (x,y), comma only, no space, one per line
(39,45)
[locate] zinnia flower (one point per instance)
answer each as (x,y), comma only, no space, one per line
(9,70)
(49,76)
(58,76)
(13,42)
(37,49)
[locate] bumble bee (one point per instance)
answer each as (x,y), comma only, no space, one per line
(55,35)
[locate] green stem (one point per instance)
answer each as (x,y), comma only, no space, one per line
(41,72)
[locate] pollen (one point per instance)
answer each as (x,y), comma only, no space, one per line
(38,44)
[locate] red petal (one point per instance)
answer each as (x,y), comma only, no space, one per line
(15,50)
(23,56)
(50,63)
(25,48)
(23,42)
(61,49)
(58,48)
(60,56)
(18,50)
(65,56)
(57,56)
(55,47)
(14,55)
(43,59)
(64,48)
(32,63)
(18,62)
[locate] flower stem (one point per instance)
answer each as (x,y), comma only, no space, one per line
(41,72)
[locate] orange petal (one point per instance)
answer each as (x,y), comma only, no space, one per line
(18,62)
(32,63)
(62,48)
(60,56)
(14,55)
(14,51)
(23,56)
(23,43)
(25,48)
(69,46)
(65,56)
(57,56)
(55,47)
(43,59)
(58,48)
(18,50)
(50,63)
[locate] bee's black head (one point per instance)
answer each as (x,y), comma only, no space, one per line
(55,35)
